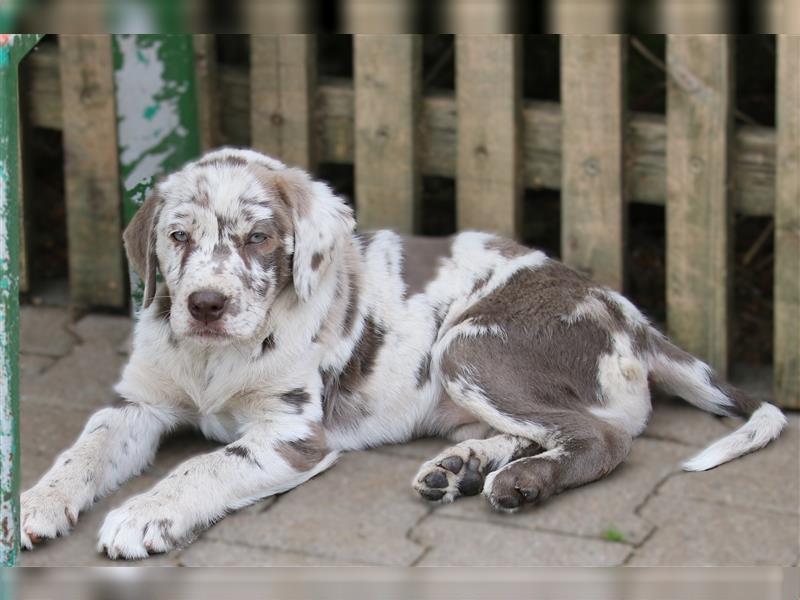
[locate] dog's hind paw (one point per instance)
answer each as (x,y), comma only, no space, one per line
(449,476)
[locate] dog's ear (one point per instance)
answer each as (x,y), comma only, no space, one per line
(140,244)
(321,221)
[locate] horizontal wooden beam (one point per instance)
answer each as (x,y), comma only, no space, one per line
(753,166)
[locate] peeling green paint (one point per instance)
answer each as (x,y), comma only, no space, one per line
(12,49)
(157,118)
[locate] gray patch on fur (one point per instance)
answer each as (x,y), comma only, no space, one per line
(305,453)
(297,399)
(422,258)
(341,403)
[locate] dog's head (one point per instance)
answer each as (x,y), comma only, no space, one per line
(229,233)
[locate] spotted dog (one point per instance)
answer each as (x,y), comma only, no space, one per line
(279,332)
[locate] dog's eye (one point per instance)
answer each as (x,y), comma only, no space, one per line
(257,238)
(180,236)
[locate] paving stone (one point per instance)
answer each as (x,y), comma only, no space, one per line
(360,510)
(677,421)
(206,553)
(456,542)
(421,450)
(109,329)
(31,365)
(45,431)
(85,379)
(78,548)
(601,509)
(691,532)
(43,330)
(767,479)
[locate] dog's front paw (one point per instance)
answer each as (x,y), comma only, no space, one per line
(45,513)
(141,527)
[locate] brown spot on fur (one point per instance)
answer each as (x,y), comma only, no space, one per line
(424,370)
(223,161)
(423,257)
(352,303)
(316,260)
(268,344)
(305,453)
(241,452)
(340,404)
(296,398)
(507,248)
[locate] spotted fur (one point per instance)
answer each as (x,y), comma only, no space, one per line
(281,333)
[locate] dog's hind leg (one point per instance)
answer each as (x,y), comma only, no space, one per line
(587,450)
(461,469)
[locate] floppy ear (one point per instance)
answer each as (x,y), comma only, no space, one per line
(321,221)
(140,244)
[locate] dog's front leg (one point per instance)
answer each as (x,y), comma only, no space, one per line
(116,444)
(266,460)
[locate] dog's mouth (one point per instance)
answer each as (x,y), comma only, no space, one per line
(208,332)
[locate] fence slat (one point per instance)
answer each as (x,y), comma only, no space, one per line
(368,16)
(387,99)
(699,207)
(283,82)
(488,100)
(579,16)
(593,202)
(94,224)
(786,351)
(694,16)
(207,77)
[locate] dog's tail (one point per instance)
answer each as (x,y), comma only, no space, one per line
(679,373)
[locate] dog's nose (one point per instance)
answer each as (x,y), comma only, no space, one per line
(207,305)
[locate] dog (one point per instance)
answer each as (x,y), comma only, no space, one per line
(279,332)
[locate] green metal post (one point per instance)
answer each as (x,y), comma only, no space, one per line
(12,49)
(157,116)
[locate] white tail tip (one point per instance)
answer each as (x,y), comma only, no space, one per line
(764,425)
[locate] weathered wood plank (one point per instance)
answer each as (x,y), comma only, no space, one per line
(207,82)
(694,16)
(387,102)
(283,81)
(488,99)
(786,350)
(368,16)
(94,223)
(699,207)
(754,163)
(593,198)
(483,17)
(579,16)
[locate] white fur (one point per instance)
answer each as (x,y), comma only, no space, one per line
(763,426)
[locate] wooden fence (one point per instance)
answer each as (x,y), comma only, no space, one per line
(493,142)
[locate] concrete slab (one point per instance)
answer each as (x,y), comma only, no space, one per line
(456,542)
(34,364)
(358,511)
(84,379)
(43,331)
(107,329)
(690,532)
(206,553)
(603,509)
(768,479)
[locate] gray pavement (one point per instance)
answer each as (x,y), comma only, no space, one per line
(363,511)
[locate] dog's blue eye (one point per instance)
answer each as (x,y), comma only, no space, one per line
(180,236)
(256,238)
